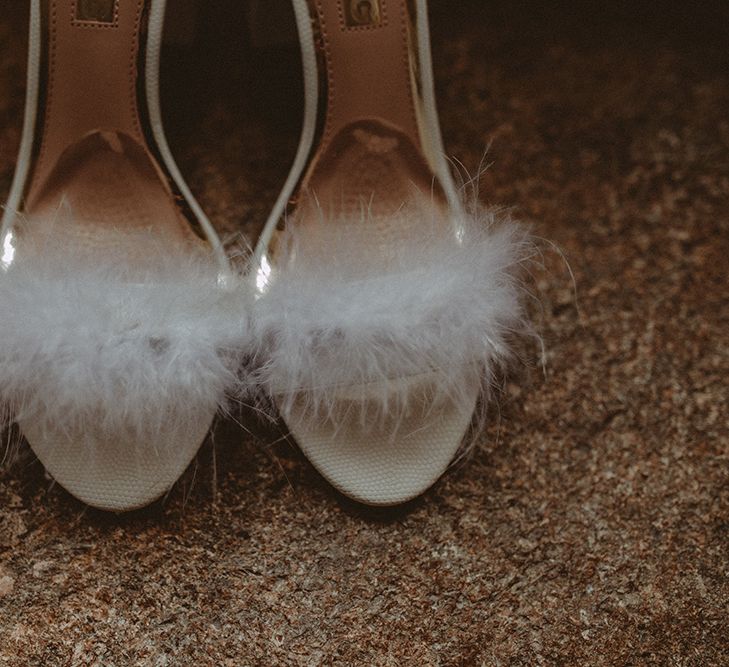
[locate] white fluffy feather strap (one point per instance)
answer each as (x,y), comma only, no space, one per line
(335,338)
(83,344)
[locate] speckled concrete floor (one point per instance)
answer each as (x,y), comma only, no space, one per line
(592,525)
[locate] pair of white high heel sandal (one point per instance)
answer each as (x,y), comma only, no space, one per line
(372,314)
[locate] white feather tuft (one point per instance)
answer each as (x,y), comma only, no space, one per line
(431,322)
(89,345)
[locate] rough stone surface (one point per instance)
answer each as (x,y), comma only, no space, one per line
(591,526)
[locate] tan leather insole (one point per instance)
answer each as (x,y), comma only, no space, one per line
(93,162)
(369,163)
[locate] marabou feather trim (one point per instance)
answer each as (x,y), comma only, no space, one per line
(427,318)
(92,344)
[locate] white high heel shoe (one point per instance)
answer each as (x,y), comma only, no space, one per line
(383,305)
(119,338)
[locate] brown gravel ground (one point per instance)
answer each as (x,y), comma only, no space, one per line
(591,527)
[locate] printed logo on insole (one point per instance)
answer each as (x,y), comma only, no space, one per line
(362,13)
(96,11)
